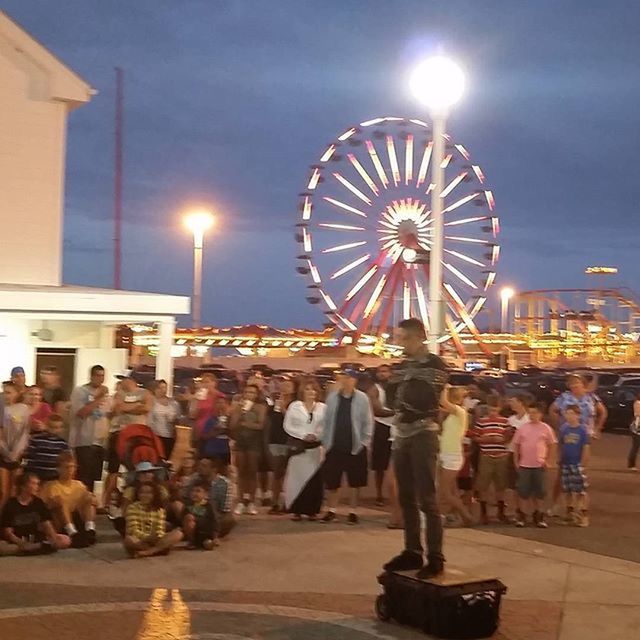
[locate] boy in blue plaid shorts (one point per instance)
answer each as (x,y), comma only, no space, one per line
(574,451)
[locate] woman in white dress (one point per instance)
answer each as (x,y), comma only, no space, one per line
(304,423)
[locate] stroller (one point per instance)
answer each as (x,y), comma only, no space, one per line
(138,443)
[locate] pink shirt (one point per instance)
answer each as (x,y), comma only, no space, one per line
(533,440)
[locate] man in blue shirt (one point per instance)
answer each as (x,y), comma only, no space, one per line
(574,443)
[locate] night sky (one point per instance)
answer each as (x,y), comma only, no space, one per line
(229,102)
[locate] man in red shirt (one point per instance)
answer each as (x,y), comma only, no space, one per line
(493,434)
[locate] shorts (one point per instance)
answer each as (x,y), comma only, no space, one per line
(264,462)
(381,447)
(113,461)
(249,441)
(573,478)
(9,466)
(492,471)
(531,483)
(465,483)
(278,450)
(512,474)
(337,463)
(451,461)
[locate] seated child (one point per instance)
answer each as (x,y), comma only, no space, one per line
(145,520)
(26,522)
(45,447)
(72,505)
(222,499)
(182,480)
(199,522)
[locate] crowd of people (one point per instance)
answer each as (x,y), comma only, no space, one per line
(286,445)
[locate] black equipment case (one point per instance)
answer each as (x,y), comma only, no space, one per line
(454,605)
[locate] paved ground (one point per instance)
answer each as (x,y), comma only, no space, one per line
(615,507)
(279,580)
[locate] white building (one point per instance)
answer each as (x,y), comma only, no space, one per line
(41,319)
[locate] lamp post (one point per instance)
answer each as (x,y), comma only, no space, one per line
(438,83)
(198,222)
(506,293)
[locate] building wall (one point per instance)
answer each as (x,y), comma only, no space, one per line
(32,157)
(93,340)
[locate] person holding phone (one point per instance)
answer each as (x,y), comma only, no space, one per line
(247,422)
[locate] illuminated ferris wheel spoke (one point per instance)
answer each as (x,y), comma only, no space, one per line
(460,202)
(395,276)
(365,278)
(464,257)
(363,174)
(459,275)
(454,223)
(350,266)
(422,304)
(408,160)
(393,160)
(344,247)
(453,184)
(315,178)
(377,164)
(466,239)
(445,163)
(340,227)
(424,165)
(406,301)
(343,181)
(346,207)
(315,274)
(375,295)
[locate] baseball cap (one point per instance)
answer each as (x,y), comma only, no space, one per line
(16,371)
(123,375)
(352,373)
(144,466)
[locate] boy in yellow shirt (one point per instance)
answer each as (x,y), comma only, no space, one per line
(72,505)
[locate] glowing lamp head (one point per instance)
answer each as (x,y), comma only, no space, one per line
(198,221)
(506,293)
(438,83)
(409,255)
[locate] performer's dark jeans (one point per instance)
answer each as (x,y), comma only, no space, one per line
(415,460)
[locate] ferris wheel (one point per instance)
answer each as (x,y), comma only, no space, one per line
(365,231)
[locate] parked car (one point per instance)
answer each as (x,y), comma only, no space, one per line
(620,407)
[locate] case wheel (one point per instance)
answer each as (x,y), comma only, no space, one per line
(383,610)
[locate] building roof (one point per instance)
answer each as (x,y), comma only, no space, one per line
(75,299)
(49,78)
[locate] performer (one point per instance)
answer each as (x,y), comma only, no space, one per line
(414,391)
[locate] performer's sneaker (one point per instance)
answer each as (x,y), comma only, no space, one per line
(330,516)
(430,570)
(352,518)
(406,561)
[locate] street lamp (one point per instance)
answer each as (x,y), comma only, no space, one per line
(506,293)
(438,83)
(198,222)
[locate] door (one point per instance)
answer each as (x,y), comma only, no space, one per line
(63,359)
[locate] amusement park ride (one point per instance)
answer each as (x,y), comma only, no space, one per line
(365,232)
